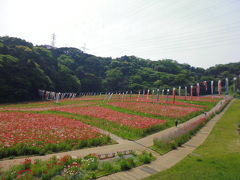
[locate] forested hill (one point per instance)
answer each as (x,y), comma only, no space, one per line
(25,68)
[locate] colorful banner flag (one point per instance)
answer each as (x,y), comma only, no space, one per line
(167,95)
(205,84)
(158,97)
(185,92)
(148,94)
(219,87)
(174,95)
(152,97)
(226,86)
(139,93)
(198,89)
(212,88)
(191,91)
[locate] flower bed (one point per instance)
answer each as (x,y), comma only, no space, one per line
(178,103)
(46,106)
(130,120)
(67,167)
(164,101)
(200,98)
(156,109)
(28,133)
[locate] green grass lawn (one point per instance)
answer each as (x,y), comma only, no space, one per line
(217,158)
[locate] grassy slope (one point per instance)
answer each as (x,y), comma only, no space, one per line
(219,156)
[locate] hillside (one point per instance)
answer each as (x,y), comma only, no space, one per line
(25,68)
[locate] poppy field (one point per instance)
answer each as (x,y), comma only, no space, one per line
(157,109)
(131,120)
(28,133)
(46,127)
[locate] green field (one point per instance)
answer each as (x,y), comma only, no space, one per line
(217,158)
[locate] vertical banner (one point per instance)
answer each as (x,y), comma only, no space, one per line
(158,97)
(219,87)
(191,91)
(174,95)
(205,84)
(139,93)
(122,96)
(234,84)
(148,94)
(167,95)
(152,95)
(226,86)
(198,89)
(212,87)
(57,97)
(185,92)
(179,91)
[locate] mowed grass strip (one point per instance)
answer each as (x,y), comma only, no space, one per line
(217,158)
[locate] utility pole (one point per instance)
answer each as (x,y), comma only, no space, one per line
(53,39)
(84,48)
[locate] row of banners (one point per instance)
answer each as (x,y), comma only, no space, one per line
(50,95)
(193,90)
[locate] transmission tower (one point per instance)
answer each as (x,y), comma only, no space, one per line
(84,48)
(53,39)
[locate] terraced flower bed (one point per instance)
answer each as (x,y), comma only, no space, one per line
(130,120)
(42,106)
(28,133)
(157,109)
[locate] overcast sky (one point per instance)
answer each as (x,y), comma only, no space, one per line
(198,32)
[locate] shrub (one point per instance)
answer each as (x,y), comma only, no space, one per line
(107,167)
(145,157)
(125,165)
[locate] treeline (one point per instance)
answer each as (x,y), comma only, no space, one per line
(25,68)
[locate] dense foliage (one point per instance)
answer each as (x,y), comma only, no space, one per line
(25,68)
